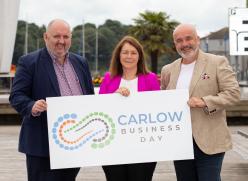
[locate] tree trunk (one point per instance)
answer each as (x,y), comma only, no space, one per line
(154,61)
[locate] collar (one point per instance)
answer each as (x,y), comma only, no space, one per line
(54,58)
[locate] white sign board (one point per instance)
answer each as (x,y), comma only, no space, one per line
(113,129)
(238,31)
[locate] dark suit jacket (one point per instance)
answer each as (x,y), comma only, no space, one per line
(36,79)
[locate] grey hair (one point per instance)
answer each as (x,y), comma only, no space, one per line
(191,26)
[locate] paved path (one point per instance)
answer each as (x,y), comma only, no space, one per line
(12,163)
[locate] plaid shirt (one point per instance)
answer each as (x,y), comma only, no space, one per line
(67,78)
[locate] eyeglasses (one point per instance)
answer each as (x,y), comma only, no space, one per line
(131,53)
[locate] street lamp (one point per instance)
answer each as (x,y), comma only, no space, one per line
(96,53)
(38,43)
(26,39)
(83,40)
(206,42)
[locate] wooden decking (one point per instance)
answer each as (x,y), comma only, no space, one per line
(12,163)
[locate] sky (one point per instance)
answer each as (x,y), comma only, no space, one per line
(208,16)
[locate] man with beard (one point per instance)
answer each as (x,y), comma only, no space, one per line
(48,72)
(212,87)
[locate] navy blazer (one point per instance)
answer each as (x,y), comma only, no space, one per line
(36,79)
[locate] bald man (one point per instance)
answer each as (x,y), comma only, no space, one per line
(212,87)
(49,72)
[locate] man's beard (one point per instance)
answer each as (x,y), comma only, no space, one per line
(188,55)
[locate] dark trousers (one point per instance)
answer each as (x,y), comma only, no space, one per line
(203,168)
(38,169)
(130,172)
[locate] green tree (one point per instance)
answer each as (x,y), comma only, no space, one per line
(119,29)
(107,40)
(35,39)
(19,42)
(154,31)
(109,34)
(77,42)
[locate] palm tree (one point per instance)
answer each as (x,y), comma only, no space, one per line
(154,31)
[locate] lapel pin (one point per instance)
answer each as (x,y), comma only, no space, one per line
(205,76)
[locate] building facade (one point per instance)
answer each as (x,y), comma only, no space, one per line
(218,43)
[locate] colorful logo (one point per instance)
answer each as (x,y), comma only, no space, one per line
(96,129)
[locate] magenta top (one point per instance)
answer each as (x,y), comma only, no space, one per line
(146,82)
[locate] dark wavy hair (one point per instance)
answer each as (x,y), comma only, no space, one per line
(115,64)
